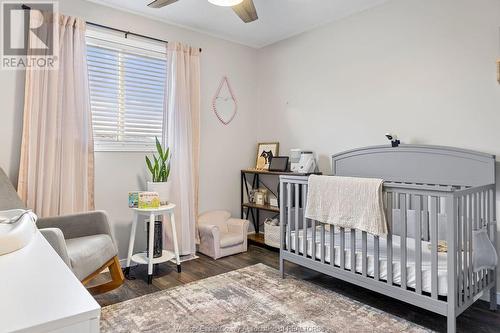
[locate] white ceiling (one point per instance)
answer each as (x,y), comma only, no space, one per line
(278,19)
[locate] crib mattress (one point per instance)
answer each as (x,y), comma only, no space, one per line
(396,263)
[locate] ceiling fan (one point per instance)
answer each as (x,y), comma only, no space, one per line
(245,9)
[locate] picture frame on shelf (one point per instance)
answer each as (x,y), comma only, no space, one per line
(265,152)
(279,163)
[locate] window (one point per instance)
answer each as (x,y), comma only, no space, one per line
(127,88)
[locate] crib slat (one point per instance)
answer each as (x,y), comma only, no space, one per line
(418,244)
(282,217)
(304,221)
(342,248)
(389,214)
(322,242)
(464,249)
(353,251)
(481,219)
(425,218)
(483,223)
(363,253)
(475,226)
(491,232)
(433,216)
(376,258)
(403,202)
(313,239)
(469,232)
(479,226)
(452,251)
(460,247)
(487,221)
(450,208)
(289,216)
(297,211)
(484,215)
(332,245)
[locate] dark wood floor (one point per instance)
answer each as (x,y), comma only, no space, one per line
(478,318)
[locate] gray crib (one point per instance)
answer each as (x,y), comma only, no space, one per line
(431,194)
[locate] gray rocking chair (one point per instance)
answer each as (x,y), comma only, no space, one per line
(83,241)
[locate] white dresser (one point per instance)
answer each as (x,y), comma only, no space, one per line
(39,293)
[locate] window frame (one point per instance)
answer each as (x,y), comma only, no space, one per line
(100,37)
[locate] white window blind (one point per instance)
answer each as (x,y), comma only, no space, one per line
(127,88)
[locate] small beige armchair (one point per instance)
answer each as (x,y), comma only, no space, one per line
(221,235)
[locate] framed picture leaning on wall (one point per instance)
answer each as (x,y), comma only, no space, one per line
(265,151)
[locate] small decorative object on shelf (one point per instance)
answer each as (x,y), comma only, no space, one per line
(295,159)
(265,152)
(143,200)
(251,196)
(279,163)
(133,199)
(160,171)
(307,163)
(273,202)
(260,198)
(148,200)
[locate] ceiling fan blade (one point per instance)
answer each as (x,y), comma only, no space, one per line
(161,3)
(246,11)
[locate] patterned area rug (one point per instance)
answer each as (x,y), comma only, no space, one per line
(252,299)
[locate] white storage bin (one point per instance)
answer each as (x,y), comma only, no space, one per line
(272,235)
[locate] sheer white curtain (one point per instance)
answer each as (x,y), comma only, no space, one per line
(56,173)
(182,135)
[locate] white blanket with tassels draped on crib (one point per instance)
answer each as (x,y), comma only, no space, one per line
(348,202)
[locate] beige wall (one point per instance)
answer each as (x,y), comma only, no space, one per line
(423,69)
(224,149)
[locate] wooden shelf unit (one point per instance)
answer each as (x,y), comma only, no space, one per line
(268,208)
(250,210)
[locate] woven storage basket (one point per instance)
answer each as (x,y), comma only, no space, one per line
(272,235)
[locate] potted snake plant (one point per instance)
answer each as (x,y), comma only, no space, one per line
(159,167)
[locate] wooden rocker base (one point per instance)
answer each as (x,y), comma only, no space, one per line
(117,277)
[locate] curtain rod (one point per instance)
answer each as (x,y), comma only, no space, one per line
(126,33)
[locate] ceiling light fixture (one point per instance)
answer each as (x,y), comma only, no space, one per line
(225,3)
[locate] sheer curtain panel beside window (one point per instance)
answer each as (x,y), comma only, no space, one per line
(182,134)
(56,173)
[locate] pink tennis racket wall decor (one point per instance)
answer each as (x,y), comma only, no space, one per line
(224,103)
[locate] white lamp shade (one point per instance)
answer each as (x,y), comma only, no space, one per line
(225,3)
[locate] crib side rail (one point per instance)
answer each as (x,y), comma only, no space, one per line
(418,222)
(475,211)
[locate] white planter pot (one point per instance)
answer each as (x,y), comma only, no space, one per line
(163,190)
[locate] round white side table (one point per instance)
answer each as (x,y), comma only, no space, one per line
(147,259)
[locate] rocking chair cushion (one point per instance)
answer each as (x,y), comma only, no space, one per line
(89,253)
